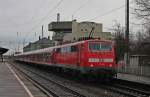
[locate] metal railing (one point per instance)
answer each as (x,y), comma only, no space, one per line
(139,71)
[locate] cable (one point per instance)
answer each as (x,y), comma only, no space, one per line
(44,17)
(109,12)
(79,8)
(54,8)
(82,6)
(106,13)
(31,20)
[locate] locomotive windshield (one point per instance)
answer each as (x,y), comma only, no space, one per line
(99,46)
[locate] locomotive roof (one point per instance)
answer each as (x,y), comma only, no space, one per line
(49,49)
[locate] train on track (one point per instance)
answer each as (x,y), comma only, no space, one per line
(90,57)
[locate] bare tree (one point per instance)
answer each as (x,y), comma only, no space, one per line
(141,45)
(117,29)
(118,33)
(142,10)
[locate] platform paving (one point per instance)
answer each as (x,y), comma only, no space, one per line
(134,78)
(10,85)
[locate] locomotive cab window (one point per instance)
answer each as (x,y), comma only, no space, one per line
(97,46)
(106,47)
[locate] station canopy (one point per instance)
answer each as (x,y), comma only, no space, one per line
(3,50)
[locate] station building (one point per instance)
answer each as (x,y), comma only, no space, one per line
(39,44)
(73,30)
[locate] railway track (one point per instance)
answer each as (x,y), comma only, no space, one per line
(85,90)
(125,90)
(51,90)
(133,89)
(116,87)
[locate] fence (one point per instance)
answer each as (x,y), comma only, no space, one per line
(139,71)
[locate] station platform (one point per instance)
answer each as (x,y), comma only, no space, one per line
(134,78)
(10,84)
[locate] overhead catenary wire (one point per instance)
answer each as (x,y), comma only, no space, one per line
(75,12)
(109,12)
(79,8)
(44,17)
(31,20)
(50,11)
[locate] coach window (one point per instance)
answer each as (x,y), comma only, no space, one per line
(68,49)
(73,48)
(62,50)
(58,50)
(65,49)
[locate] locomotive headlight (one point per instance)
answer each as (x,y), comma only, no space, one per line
(91,65)
(110,65)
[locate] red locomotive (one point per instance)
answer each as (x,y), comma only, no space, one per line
(94,56)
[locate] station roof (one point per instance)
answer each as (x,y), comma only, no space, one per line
(3,50)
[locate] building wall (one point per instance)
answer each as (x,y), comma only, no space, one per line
(74,26)
(83,29)
(59,26)
(70,30)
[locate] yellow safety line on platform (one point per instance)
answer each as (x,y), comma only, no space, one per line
(20,81)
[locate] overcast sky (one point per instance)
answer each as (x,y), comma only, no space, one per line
(27,16)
